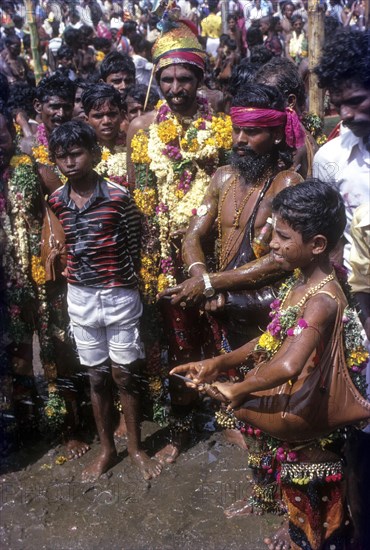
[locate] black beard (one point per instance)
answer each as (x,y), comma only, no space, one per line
(252,166)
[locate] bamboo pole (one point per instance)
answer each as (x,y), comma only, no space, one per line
(35,44)
(224,15)
(315,43)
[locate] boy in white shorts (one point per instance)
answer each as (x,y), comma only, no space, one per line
(101,225)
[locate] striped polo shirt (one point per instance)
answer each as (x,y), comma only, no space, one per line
(102,238)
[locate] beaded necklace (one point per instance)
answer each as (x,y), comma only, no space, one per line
(226,250)
(310,292)
(285,322)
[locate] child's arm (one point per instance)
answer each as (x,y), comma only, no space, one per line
(209,369)
(132,226)
(293,355)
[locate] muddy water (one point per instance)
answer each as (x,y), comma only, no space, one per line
(45,506)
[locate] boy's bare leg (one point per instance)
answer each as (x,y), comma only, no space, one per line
(101,399)
(121,429)
(127,379)
(75,445)
(182,402)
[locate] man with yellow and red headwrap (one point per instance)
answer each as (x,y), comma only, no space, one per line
(173,152)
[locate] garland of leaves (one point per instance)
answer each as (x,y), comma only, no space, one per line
(26,284)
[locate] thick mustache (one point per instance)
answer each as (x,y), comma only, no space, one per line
(170,95)
(244,148)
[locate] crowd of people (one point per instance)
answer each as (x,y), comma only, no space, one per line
(174,228)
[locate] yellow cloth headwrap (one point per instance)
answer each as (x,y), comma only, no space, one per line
(178,45)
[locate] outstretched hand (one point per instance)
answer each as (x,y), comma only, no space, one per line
(201,376)
(190,290)
(201,372)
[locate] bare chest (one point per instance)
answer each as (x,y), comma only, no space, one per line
(239,202)
(240,207)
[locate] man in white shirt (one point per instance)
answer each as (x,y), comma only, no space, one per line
(143,66)
(345,161)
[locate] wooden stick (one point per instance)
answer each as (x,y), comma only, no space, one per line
(149,86)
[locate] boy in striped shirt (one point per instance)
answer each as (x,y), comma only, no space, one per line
(102,229)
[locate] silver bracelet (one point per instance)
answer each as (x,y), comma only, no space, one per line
(195,263)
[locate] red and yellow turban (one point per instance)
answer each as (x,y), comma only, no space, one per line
(179,45)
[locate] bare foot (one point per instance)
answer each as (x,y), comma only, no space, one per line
(235,437)
(281,539)
(76,448)
(99,466)
(243,507)
(121,430)
(149,467)
(168,454)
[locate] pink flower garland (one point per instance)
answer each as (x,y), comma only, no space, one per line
(41,135)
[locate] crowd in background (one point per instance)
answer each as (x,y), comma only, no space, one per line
(102,64)
(76,36)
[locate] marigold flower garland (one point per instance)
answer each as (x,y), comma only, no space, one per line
(182,160)
(40,152)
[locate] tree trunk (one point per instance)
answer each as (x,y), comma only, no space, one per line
(35,44)
(224,15)
(315,43)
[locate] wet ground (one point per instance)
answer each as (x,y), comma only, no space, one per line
(45,505)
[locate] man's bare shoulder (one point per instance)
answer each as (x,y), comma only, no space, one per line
(141,122)
(223,175)
(286,178)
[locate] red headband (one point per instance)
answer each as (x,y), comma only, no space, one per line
(247,117)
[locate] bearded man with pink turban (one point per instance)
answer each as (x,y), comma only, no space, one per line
(238,203)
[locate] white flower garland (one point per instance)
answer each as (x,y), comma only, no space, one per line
(113,164)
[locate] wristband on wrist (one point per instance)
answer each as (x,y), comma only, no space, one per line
(208,291)
(195,263)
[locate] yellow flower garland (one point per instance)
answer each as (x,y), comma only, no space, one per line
(167,131)
(139,146)
(146,201)
(41,155)
(17,160)
(38,271)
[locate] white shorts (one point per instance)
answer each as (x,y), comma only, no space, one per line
(212,46)
(105,324)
